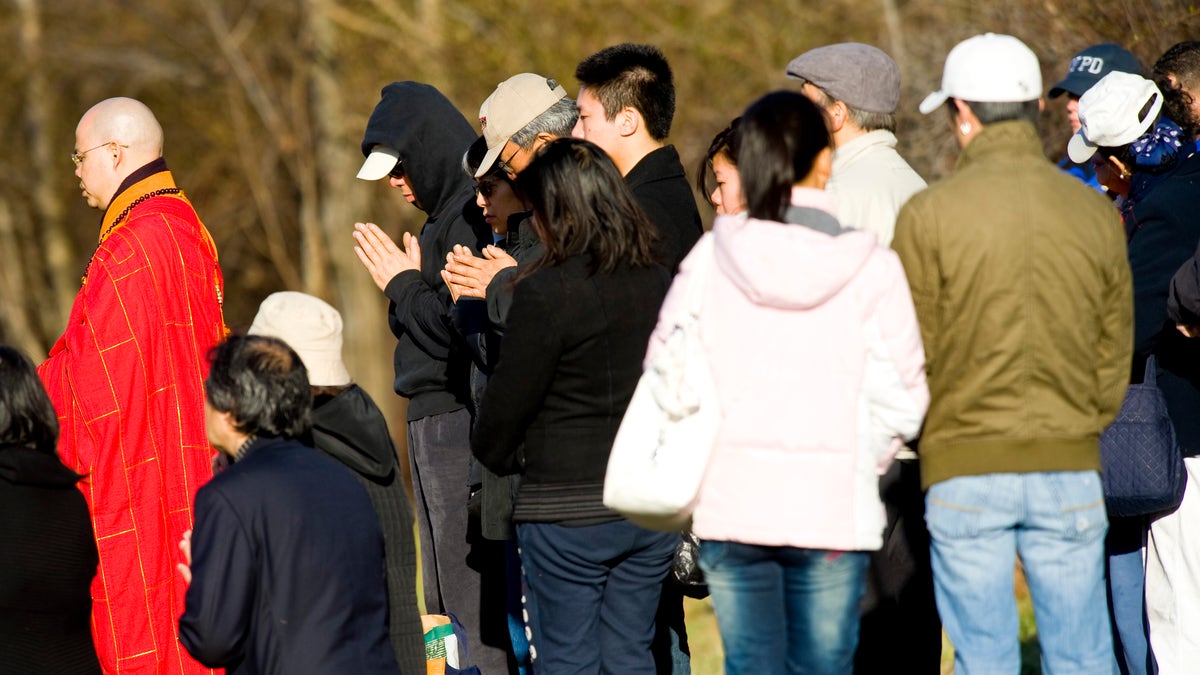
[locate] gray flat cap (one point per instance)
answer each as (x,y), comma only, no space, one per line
(859,75)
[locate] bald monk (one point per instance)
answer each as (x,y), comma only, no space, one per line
(126,379)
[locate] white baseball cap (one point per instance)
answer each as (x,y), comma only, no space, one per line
(1114,113)
(379,163)
(988,68)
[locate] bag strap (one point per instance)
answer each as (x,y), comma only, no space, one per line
(1151,376)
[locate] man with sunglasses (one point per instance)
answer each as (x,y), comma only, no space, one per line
(415,138)
(127,381)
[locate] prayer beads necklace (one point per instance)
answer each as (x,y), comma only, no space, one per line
(117,221)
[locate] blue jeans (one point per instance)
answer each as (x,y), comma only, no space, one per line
(1056,522)
(591,595)
(785,610)
(1124,547)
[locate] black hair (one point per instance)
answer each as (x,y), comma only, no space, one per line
(581,204)
(725,143)
(782,134)
(262,383)
(1177,74)
(635,76)
(27,416)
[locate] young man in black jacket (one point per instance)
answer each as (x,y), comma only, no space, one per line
(626,105)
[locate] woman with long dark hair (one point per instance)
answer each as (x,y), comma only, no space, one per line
(47,551)
(571,357)
(817,362)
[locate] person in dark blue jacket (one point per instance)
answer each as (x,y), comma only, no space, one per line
(286,561)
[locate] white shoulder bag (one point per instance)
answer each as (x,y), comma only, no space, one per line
(665,440)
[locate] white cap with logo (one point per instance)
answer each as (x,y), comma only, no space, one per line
(516,102)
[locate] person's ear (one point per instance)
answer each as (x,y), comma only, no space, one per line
(837,113)
(629,120)
(1119,168)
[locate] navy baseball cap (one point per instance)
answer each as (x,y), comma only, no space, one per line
(1092,64)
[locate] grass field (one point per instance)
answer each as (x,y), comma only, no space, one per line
(707,655)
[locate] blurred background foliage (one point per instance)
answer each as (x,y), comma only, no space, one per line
(264,102)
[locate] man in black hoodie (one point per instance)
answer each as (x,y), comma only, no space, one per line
(416,138)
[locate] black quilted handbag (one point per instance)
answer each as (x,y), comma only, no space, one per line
(1142,469)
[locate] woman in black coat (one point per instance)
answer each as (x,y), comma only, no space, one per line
(47,551)
(577,331)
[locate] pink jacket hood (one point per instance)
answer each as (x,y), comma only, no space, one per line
(823,263)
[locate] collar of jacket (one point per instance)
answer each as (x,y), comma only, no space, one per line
(147,179)
(660,164)
(1009,138)
(856,147)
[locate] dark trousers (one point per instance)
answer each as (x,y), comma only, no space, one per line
(900,627)
(591,595)
(462,573)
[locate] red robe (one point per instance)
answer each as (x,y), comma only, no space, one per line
(126,378)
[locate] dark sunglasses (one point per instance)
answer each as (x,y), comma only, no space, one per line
(398,170)
(486,187)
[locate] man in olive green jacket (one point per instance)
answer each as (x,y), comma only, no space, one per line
(1022,288)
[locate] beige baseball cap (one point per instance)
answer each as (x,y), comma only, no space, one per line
(516,102)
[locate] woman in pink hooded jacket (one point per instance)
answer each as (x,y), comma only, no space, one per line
(817,360)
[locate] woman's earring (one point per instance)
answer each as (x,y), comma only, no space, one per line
(964,128)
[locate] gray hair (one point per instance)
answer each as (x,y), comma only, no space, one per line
(990,112)
(865,120)
(558,120)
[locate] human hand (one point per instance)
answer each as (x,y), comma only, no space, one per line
(1188,331)
(470,273)
(380,255)
(185,567)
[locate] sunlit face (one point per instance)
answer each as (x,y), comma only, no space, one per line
(1073,112)
(96,171)
(727,196)
(593,124)
(498,201)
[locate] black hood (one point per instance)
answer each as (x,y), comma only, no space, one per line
(350,428)
(430,135)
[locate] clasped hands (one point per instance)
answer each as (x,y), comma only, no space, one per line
(380,255)
(466,274)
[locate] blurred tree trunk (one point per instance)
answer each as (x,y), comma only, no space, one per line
(15,328)
(895,33)
(55,301)
(368,341)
